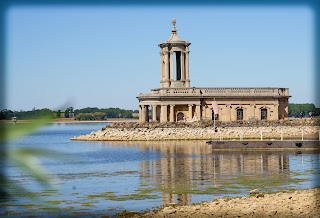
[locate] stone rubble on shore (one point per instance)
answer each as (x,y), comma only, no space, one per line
(301,203)
(204,130)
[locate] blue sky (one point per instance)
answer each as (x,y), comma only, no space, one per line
(104,57)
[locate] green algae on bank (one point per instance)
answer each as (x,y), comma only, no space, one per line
(140,194)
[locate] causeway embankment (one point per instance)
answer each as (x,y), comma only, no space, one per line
(297,129)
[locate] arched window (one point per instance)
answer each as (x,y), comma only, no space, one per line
(264,113)
(180,116)
(240,114)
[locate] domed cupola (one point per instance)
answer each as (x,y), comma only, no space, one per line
(174,61)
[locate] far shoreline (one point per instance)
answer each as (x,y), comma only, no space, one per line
(72,120)
(111,120)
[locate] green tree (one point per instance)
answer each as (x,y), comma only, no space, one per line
(68,112)
(99,116)
(3,114)
(295,109)
(58,113)
(91,116)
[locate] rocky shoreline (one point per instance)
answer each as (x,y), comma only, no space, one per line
(299,203)
(273,130)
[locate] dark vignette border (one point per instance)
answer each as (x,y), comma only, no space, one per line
(5,4)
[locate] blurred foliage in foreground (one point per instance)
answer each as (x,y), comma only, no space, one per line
(27,159)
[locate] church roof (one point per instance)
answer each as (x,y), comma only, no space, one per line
(174,38)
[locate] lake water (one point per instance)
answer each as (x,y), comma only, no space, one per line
(102,178)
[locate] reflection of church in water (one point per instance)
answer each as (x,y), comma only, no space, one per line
(184,165)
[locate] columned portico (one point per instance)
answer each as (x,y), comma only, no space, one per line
(143,113)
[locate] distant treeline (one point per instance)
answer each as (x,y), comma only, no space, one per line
(26,115)
(94,113)
(79,114)
(297,110)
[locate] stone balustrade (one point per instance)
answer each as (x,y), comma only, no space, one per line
(218,92)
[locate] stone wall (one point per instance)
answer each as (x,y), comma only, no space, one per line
(210,123)
(198,130)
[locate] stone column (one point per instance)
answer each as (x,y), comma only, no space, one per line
(166,69)
(154,113)
(187,68)
(204,111)
(164,114)
(183,76)
(172,113)
(162,58)
(171,66)
(140,114)
(143,114)
(190,111)
(198,111)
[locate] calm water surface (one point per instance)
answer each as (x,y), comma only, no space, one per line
(97,178)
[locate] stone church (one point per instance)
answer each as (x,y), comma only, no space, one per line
(176,101)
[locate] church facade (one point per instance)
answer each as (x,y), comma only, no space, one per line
(176,101)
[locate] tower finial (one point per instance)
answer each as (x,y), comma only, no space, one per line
(174,24)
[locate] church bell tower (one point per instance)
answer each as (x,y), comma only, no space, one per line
(174,61)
